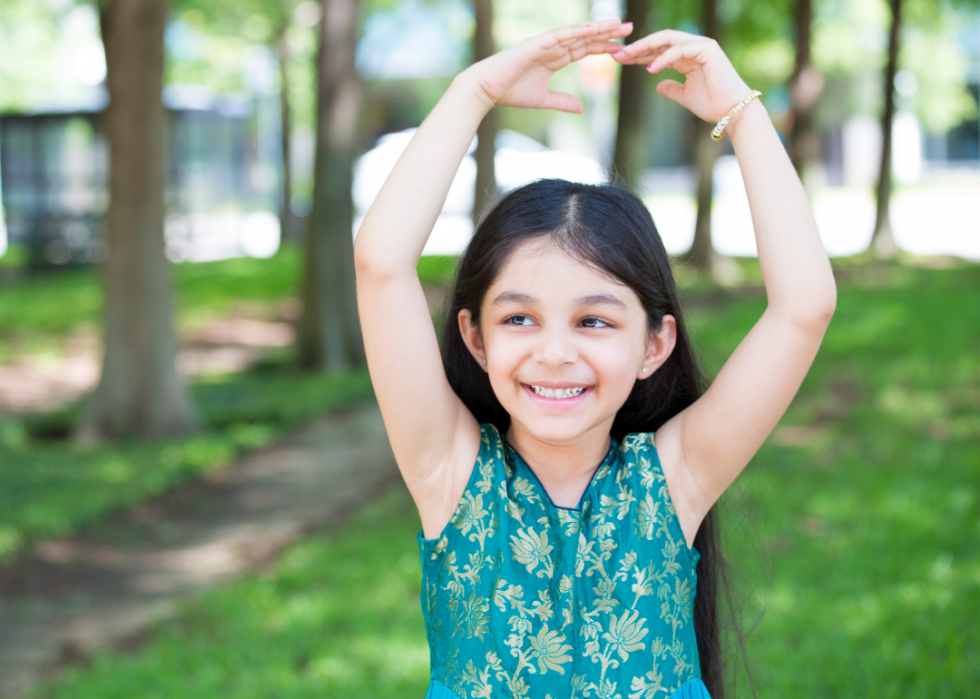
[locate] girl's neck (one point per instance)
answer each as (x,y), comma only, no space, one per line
(564,469)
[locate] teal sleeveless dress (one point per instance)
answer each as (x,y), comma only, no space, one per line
(523,599)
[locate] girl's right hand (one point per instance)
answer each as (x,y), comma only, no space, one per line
(519,76)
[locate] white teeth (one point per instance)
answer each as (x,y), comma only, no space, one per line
(558,393)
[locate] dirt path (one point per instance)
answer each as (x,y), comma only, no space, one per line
(106,587)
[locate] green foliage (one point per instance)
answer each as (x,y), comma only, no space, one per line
(51,488)
(864,501)
(29,35)
(851,39)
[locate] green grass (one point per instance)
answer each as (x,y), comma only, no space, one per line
(38,312)
(16,255)
(339,618)
(865,500)
(437,270)
(864,503)
(50,487)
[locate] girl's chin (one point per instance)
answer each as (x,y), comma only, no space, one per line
(554,430)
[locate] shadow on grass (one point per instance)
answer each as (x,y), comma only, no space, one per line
(339,617)
(51,487)
(864,501)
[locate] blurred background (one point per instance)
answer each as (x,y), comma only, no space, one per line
(196,494)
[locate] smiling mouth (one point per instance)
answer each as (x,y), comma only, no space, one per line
(557,393)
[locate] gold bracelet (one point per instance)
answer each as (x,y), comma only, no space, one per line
(719,130)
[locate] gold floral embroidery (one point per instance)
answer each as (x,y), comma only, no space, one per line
(551,651)
(569,601)
(530,549)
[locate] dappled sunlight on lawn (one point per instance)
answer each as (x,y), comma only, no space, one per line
(866,497)
(855,533)
(339,617)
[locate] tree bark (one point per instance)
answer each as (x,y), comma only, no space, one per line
(329,335)
(285,212)
(139,392)
(883,240)
(702,255)
(629,156)
(486,134)
(806,86)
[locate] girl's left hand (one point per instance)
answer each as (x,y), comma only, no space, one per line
(711,87)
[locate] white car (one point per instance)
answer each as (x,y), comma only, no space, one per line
(518,161)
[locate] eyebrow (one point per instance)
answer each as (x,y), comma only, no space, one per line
(593,300)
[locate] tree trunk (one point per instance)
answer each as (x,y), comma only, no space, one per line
(703,255)
(329,335)
(629,156)
(883,240)
(806,86)
(139,392)
(285,213)
(486,180)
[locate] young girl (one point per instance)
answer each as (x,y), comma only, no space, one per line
(562,543)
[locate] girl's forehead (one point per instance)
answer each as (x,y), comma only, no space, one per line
(542,270)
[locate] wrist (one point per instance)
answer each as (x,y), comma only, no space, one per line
(752,113)
(469,86)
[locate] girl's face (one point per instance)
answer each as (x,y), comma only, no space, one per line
(563,344)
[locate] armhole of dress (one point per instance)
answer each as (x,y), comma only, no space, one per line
(488,435)
(675,522)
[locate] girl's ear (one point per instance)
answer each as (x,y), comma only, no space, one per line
(472,337)
(661,345)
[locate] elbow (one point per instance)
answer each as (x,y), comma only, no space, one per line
(368,263)
(825,302)
(362,256)
(829,305)
(374,264)
(818,308)
(811,312)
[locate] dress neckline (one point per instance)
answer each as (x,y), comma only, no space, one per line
(613,445)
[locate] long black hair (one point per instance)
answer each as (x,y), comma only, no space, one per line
(609,229)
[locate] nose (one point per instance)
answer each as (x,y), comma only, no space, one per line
(555,348)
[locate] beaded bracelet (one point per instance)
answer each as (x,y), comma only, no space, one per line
(719,130)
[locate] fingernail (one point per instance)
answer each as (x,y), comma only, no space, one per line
(650,66)
(628,24)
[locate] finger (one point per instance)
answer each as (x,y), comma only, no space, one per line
(691,50)
(661,40)
(624,29)
(593,49)
(578,31)
(672,90)
(632,56)
(562,102)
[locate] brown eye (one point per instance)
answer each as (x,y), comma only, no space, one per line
(594,323)
(519,320)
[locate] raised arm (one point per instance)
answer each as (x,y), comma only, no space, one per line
(706,446)
(434,437)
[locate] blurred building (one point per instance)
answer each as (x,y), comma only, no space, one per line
(54,170)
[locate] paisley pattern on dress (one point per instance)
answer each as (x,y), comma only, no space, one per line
(524,599)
